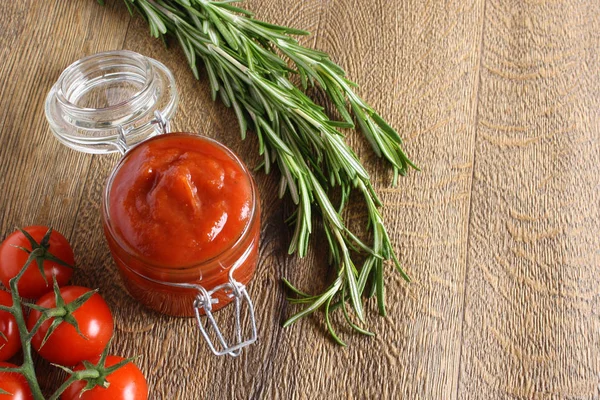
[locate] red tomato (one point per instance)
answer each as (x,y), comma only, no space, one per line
(126,383)
(15,384)
(12,260)
(65,346)
(10,341)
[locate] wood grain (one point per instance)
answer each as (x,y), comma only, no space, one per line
(531,326)
(498,104)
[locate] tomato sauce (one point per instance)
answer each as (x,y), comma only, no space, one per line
(181,208)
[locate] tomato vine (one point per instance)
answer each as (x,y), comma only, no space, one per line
(94,375)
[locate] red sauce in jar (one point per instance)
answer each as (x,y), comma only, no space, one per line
(181,208)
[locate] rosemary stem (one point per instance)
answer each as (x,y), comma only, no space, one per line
(249,64)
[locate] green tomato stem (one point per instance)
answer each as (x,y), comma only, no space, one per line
(63,387)
(77,376)
(27,368)
(10,369)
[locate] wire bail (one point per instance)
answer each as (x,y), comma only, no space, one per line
(121,142)
(204,302)
(162,124)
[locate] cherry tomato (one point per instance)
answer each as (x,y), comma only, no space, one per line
(15,384)
(126,383)
(12,260)
(65,346)
(10,341)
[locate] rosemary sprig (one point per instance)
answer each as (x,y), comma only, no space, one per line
(250,64)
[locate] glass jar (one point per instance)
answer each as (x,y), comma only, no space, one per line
(109,101)
(156,285)
(121,101)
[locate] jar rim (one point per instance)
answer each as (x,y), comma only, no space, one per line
(183,269)
(67,80)
(141,86)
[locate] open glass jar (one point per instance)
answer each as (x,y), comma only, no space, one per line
(180,211)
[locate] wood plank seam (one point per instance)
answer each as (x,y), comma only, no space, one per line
(470,209)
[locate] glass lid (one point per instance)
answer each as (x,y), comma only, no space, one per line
(110,101)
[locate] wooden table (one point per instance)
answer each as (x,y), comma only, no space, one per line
(498,103)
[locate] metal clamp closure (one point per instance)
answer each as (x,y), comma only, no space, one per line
(204,302)
(162,126)
(161,122)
